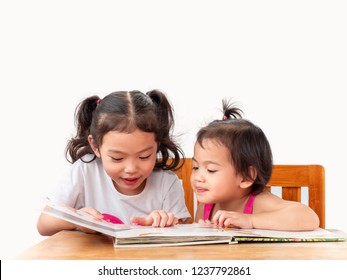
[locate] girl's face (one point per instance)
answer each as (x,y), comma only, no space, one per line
(214,179)
(128,158)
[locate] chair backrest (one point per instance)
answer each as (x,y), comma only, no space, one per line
(184,174)
(291,179)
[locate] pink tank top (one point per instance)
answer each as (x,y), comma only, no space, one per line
(247,210)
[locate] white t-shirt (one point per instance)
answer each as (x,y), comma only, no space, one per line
(88,185)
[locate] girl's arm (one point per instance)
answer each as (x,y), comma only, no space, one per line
(292,216)
(273,213)
(48,225)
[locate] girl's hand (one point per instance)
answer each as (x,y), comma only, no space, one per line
(232,219)
(158,218)
(91,213)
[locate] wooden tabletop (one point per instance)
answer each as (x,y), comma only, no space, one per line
(71,245)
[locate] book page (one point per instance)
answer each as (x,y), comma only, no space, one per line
(179,230)
(83,219)
(179,235)
(317,233)
(196,233)
(259,235)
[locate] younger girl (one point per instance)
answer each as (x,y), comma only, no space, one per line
(121,164)
(232,164)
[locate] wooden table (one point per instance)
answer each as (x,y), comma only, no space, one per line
(70,245)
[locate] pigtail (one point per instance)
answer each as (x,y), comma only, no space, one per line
(230,111)
(78,145)
(167,146)
(164,110)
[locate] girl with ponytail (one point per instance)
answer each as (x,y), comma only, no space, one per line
(123,156)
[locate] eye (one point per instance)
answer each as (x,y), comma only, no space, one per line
(145,157)
(116,159)
(195,168)
(211,171)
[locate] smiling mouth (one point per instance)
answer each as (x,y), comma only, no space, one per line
(130,181)
(200,190)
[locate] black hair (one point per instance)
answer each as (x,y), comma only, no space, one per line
(246,142)
(126,111)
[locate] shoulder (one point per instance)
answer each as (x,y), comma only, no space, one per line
(267,201)
(86,169)
(86,162)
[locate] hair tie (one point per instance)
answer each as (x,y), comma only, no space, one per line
(98,101)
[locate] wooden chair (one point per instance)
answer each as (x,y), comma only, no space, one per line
(291,179)
(184,174)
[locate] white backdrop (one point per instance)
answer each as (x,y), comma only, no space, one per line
(283,62)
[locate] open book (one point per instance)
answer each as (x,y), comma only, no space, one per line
(186,234)
(193,234)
